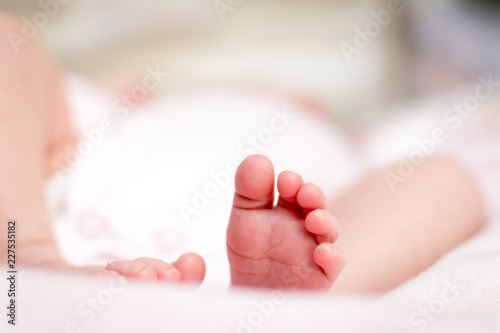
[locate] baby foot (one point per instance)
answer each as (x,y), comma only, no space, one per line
(288,246)
(189,268)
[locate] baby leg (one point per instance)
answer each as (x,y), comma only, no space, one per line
(389,237)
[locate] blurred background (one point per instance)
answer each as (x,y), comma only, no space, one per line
(427,48)
(387,70)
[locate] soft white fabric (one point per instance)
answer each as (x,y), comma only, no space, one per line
(55,302)
(126,197)
(473,267)
(123,199)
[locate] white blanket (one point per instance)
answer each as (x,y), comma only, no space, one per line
(473,268)
(161,182)
(55,303)
(126,198)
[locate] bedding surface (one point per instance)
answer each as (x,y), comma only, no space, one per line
(160,183)
(55,303)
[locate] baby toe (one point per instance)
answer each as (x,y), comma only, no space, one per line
(331,259)
(323,225)
(254,183)
(289,184)
(133,269)
(311,197)
(192,268)
(164,271)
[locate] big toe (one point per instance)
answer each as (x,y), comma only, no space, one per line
(254,183)
(192,268)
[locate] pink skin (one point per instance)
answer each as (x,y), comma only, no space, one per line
(275,246)
(287,246)
(189,268)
